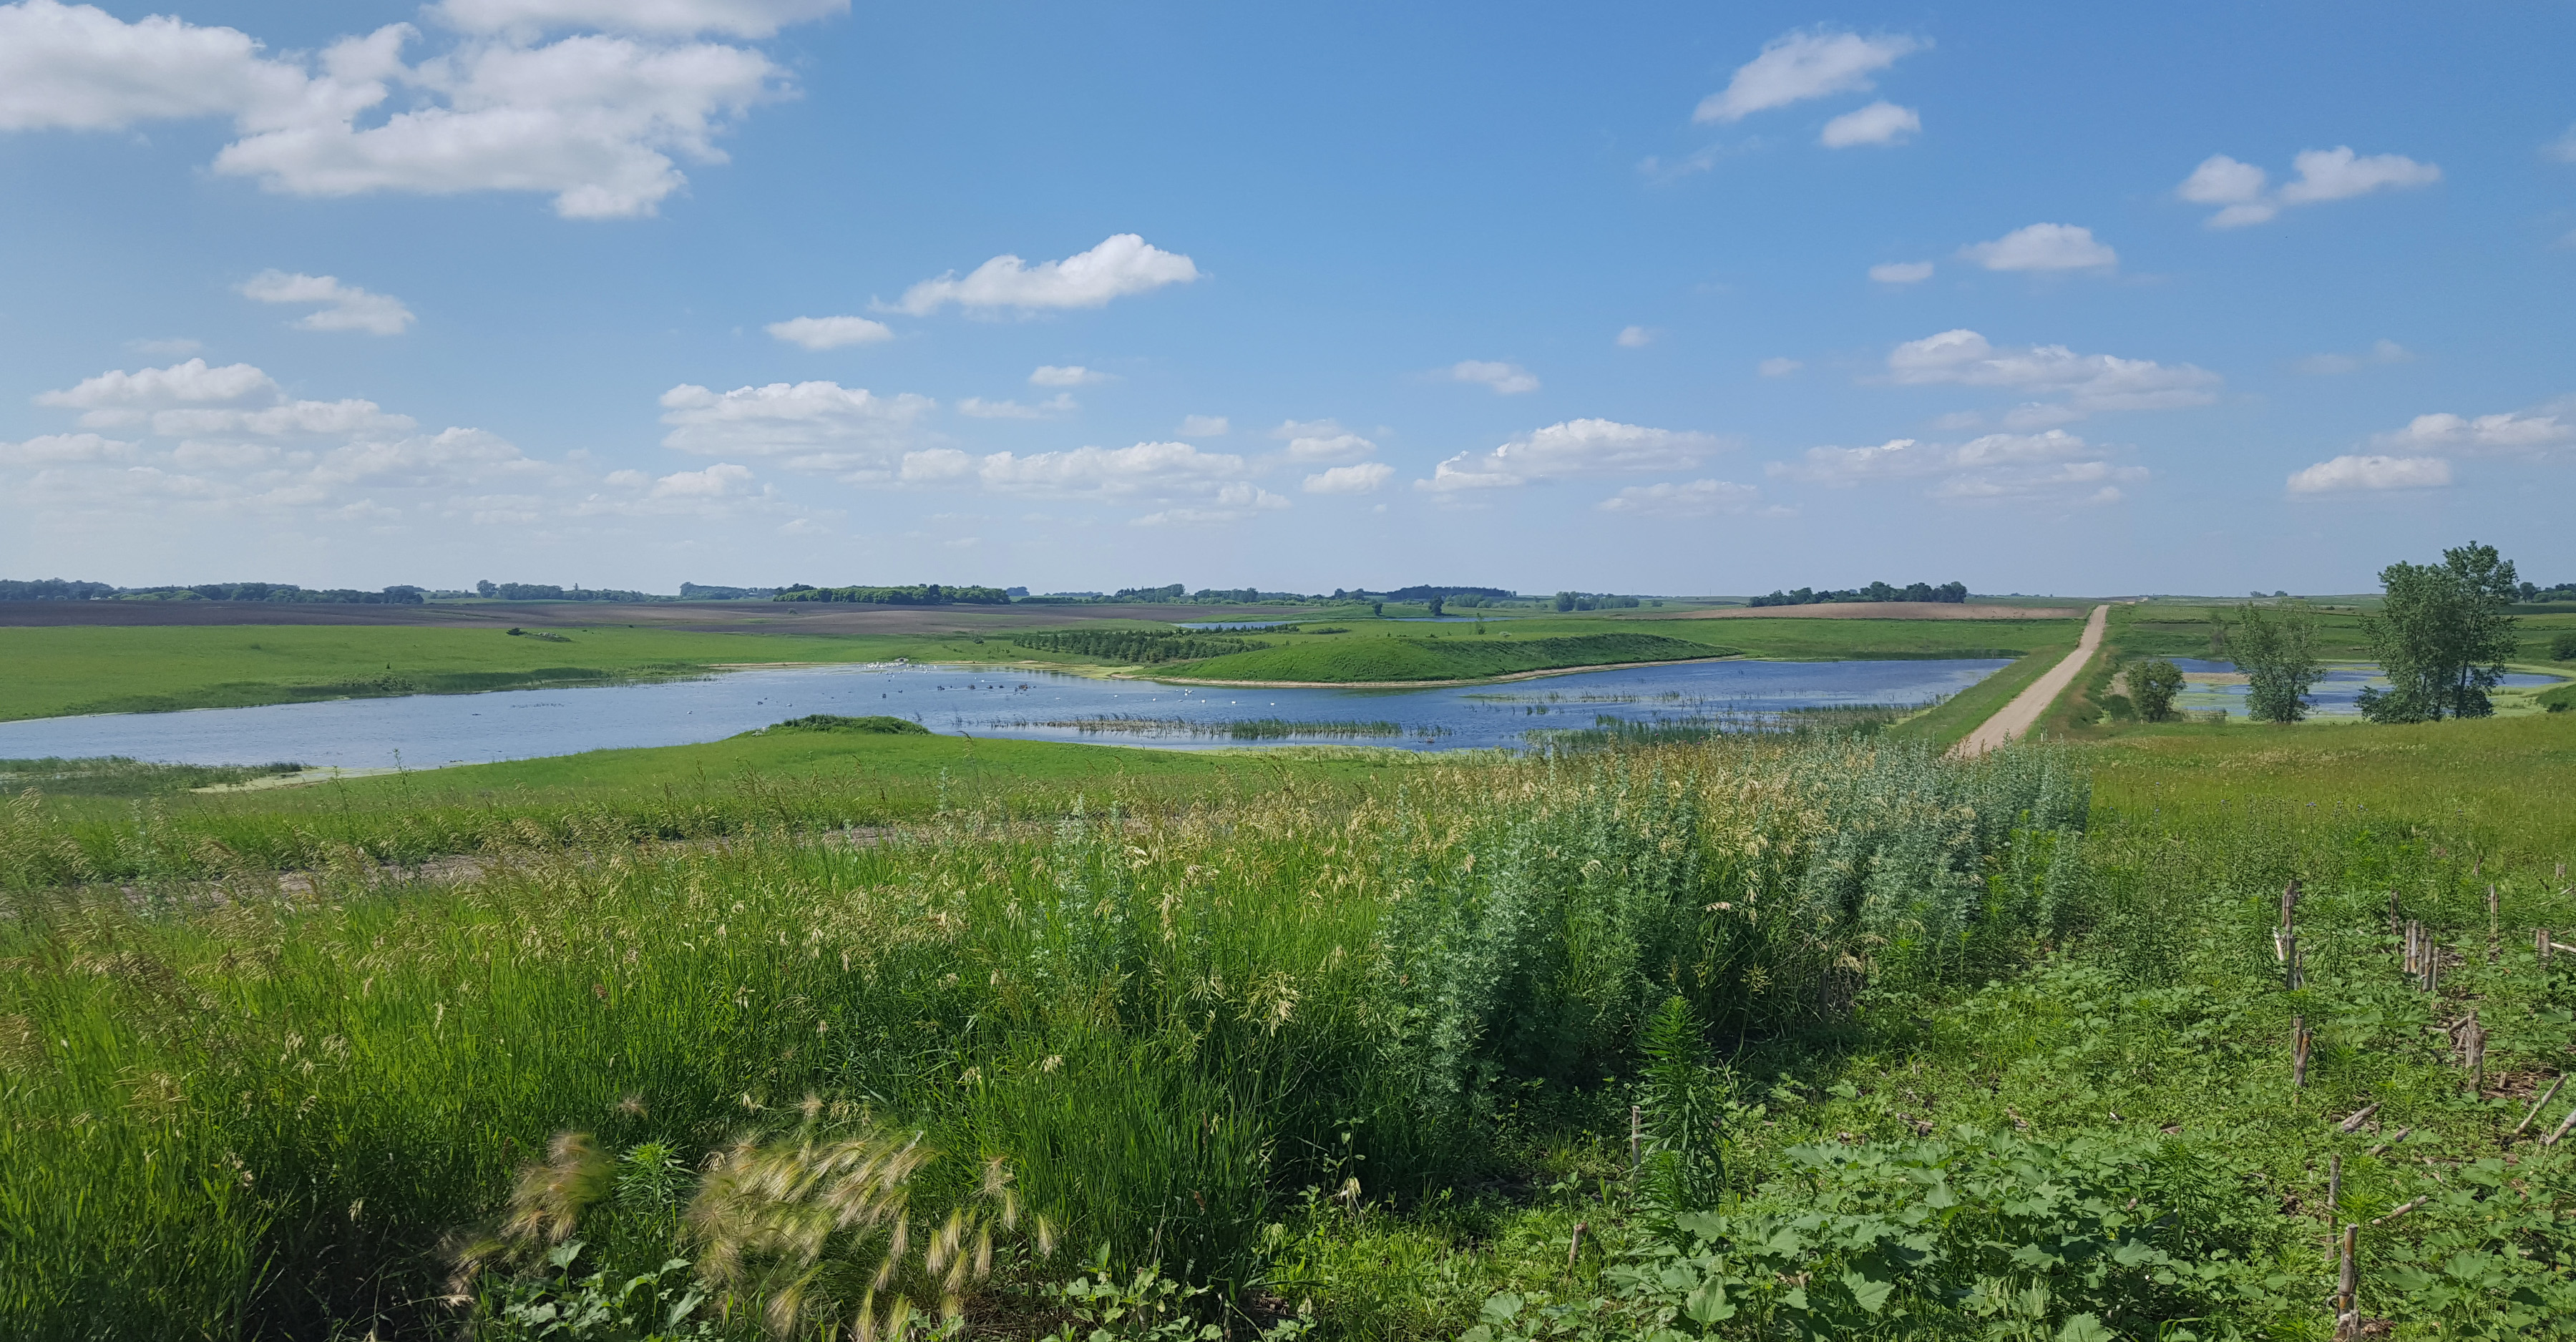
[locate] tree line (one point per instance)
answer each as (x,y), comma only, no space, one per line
(923,594)
(58,589)
(1953,592)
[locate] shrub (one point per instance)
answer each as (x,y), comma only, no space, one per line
(878,723)
(2153,684)
(2563,647)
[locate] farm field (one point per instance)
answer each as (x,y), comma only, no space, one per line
(1914,1049)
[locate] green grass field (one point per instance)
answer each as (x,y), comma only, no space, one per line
(802,782)
(1911,1049)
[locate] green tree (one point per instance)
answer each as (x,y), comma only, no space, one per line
(2563,647)
(2153,684)
(2442,635)
(2277,651)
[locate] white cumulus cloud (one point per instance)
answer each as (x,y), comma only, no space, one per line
(2043,247)
(669,18)
(1635,337)
(714,482)
(1778,367)
(1121,265)
(1068,375)
(810,426)
(54,449)
(2323,175)
(1803,64)
(597,121)
(2052,466)
(1696,498)
(1146,470)
(1205,426)
(1507,379)
(1880,123)
(344,307)
(1574,448)
(2088,382)
(1361,478)
(1234,503)
(1322,440)
(1901,272)
(2347,473)
(190,383)
(2511,431)
(822,333)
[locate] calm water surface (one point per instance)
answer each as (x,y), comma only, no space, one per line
(2336,696)
(421,731)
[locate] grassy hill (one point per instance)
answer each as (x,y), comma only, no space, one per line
(1344,661)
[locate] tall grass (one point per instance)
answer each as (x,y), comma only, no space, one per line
(238,1108)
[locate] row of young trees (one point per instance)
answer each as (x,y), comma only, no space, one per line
(2441,636)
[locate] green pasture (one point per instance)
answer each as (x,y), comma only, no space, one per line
(2503,783)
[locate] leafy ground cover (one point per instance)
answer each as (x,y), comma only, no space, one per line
(1741,1038)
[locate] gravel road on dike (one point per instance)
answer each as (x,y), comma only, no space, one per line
(2018,716)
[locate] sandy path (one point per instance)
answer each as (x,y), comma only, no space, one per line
(2019,715)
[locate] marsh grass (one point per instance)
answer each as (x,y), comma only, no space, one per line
(237,1108)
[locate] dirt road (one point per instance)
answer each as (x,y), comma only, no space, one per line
(2018,716)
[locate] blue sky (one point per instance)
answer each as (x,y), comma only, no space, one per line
(1645,298)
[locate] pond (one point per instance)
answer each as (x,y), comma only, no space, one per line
(421,731)
(2209,685)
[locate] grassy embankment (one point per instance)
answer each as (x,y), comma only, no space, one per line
(55,671)
(1971,1073)
(129,822)
(1944,724)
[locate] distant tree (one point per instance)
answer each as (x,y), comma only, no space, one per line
(2442,635)
(1435,607)
(2217,636)
(1565,600)
(2276,648)
(487,588)
(1377,608)
(2153,684)
(2563,647)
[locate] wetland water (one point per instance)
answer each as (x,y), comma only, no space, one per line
(2217,685)
(424,731)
